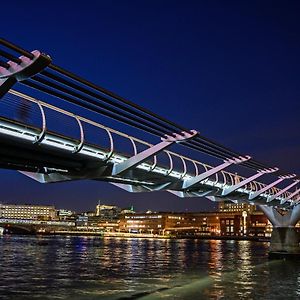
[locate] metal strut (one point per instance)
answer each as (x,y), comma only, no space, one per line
(144,155)
(235,187)
(271,198)
(21,69)
(197,179)
(264,189)
(78,147)
(42,134)
(296,192)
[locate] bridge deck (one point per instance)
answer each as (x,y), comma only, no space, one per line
(52,156)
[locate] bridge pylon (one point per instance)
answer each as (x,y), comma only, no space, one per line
(285,237)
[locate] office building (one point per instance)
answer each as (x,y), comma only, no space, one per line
(27,211)
(230,207)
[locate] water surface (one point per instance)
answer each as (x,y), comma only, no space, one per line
(53,267)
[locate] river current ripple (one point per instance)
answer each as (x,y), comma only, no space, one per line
(88,268)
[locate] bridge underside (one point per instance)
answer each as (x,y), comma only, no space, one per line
(53,160)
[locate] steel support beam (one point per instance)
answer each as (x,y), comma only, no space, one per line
(144,155)
(141,188)
(48,178)
(190,194)
(197,179)
(22,70)
(296,192)
(271,198)
(235,187)
(269,186)
(6,84)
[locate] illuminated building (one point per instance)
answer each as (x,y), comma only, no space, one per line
(209,223)
(109,225)
(202,224)
(152,223)
(82,220)
(251,225)
(171,223)
(107,212)
(259,225)
(243,219)
(27,211)
(64,214)
(230,207)
(231,225)
(129,210)
(104,218)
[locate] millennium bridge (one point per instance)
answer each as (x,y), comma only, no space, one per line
(51,144)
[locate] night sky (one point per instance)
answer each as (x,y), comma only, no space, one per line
(229,69)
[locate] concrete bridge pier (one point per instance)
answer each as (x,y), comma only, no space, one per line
(285,237)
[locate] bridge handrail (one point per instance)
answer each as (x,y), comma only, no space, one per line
(255,185)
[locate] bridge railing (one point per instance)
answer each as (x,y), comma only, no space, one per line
(43,117)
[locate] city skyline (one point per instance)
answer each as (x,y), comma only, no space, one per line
(93,204)
(237,221)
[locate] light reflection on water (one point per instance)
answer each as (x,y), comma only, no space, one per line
(114,268)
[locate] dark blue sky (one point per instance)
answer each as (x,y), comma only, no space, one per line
(229,69)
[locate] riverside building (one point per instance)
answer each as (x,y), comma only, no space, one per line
(166,223)
(27,211)
(243,219)
(230,207)
(234,223)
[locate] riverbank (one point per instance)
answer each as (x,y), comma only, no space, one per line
(152,236)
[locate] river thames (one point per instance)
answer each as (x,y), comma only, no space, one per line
(53,267)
